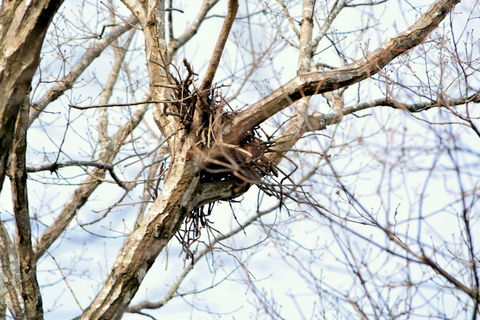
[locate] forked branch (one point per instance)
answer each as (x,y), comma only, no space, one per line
(214,62)
(318,82)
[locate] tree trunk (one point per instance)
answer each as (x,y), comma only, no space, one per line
(23,25)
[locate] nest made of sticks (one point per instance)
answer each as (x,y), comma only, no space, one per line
(245,163)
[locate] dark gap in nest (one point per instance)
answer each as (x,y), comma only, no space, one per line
(245,163)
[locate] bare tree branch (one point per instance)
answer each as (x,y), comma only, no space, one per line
(414,107)
(305,38)
(23,237)
(89,56)
(52,167)
(337,8)
(318,82)
(174,45)
(293,23)
(214,62)
(82,194)
(220,45)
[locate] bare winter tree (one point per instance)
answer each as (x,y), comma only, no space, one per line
(278,159)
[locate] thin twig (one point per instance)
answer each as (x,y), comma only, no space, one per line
(52,167)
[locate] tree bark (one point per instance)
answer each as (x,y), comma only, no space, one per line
(23,25)
(11,288)
(30,291)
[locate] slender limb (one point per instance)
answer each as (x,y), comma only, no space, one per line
(293,23)
(175,44)
(214,62)
(318,82)
(82,194)
(220,45)
(414,107)
(337,7)
(57,165)
(23,237)
(120,52)
(69,80)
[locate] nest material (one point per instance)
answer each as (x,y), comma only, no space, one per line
(244,163)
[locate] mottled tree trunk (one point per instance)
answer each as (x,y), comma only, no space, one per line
(23,25)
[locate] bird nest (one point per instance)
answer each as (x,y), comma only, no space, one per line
(203,114)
